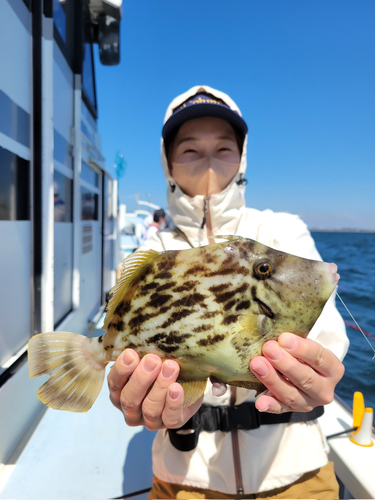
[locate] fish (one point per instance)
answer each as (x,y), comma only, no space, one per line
(210,309)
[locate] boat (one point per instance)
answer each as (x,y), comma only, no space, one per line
(132,226)
(353,460)
(58,196)
(59,257)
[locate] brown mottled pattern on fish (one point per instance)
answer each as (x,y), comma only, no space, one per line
(193,302)
(211,309)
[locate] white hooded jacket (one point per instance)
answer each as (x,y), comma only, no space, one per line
(271,456)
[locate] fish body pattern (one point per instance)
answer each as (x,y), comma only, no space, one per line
(210,308)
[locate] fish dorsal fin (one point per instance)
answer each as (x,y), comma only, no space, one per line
(193,390)
(131,268)
(228,237)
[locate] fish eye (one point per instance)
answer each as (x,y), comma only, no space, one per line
(263,269)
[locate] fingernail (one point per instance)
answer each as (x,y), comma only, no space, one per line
(167,370)
(173,394)
(127,358)
(272,351)
(263,409)
(149,363)
(261,368)
(288,340)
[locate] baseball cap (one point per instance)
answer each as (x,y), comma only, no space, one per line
(203,104)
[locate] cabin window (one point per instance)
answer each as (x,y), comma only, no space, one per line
(88,77)
(62,198)
(88,70)
(108,229)
(89,175)
(89,193)
(63,245)
(14,187)
(89,205)
(62,150)
(59,18)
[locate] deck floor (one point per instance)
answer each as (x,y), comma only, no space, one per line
(92,455)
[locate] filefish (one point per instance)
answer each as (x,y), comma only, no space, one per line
(210,308)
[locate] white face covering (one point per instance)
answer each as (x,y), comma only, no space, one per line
(206,176)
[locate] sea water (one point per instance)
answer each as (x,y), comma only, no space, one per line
(354,254)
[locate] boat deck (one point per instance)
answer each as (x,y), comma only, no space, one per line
(81,456)
(355,465)
(92,455)
(95,455)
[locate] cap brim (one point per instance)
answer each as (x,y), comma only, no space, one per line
(200,110)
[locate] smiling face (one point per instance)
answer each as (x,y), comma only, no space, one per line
(204,156)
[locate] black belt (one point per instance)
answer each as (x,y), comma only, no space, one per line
(227,418)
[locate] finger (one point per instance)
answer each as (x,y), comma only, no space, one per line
(120,373)
(299,374)
(267,402)
(283,390)
(174,414)
(154,403)
(137,387)
(313,354)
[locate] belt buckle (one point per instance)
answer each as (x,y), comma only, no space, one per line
(244,416)
(224,418)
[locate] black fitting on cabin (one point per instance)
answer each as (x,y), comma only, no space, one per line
(172,186)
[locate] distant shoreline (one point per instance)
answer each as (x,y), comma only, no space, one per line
(344,230)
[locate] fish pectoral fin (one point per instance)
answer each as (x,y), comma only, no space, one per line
(131,268)
(247,331)
(250,324)
(193,390)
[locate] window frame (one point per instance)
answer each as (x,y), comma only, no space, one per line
(86,100)
(76,36)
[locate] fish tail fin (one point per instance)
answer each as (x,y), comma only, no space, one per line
(75,376)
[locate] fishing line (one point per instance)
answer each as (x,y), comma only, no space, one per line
(359,328)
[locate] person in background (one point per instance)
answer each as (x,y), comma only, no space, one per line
(59,204)
(146,222)
(281,453)
(156,225)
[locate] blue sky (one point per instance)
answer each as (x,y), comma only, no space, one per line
(303,74)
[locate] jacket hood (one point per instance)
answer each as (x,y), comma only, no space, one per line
(226,208)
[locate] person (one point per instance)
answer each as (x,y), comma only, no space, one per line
(59,204)
(203,155)
(146,222)
(158,223)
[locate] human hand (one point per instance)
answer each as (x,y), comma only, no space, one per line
(146,391)
(299,374)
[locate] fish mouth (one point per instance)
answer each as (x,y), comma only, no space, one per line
(332,272)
